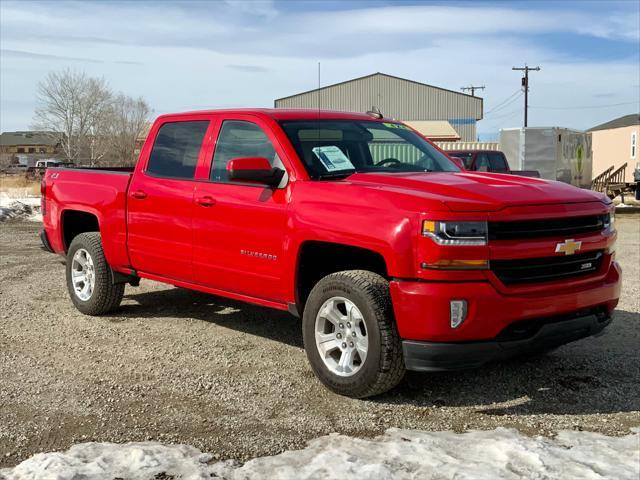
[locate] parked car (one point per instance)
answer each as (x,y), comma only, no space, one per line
(37,171)
(392,265)
(489,161)
(15,169)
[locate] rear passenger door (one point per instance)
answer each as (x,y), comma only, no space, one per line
(160,202)
(240,230)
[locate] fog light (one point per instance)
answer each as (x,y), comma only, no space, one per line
(458,312)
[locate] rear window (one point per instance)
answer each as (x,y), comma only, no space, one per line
(176,149)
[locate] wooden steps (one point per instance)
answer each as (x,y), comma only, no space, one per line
(611,182)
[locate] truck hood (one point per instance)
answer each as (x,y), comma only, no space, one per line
(474,192)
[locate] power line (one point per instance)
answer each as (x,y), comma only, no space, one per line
(473,89)
(505,100)
(525,85)
(504,105)
(587,106)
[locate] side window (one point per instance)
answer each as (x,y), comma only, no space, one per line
(176,149)
(498,163)
(240,139)
(467,158)
(482,163)
(634,145)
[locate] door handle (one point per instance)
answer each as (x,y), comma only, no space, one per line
(206,201)
(139,194)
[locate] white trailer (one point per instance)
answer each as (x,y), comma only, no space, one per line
(557,153)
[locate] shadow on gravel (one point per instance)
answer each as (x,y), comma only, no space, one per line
(593,375)
(178,302)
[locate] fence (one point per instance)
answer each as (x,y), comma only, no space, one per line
(448,146)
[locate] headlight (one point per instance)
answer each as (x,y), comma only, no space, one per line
(456,233)
(610,221)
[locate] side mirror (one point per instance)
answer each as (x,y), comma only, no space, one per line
(254,170)
(459,163)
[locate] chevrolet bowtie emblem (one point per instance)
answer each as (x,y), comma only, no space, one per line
(568,247)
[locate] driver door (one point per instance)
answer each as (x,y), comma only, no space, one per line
(241,230)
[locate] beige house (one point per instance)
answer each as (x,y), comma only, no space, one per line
(615,143)
(435,130)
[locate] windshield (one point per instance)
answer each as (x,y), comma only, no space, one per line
(337,148)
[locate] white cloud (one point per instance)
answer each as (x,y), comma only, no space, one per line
(204,55)
(465,20)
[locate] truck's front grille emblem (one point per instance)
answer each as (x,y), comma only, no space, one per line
(568,247)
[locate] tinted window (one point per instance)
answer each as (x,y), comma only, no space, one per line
(239,139)
(482,163)
(467,158)
(497,162)
(176,149)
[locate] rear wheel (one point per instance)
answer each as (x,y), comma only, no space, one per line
(89,278)
(350,335)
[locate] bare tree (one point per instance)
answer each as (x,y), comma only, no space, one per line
(128,119)
(74,106)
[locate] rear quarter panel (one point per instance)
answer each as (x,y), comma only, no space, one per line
(101,193)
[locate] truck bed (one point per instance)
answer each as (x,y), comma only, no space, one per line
(100,191)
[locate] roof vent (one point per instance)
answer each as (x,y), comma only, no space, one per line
(374,112)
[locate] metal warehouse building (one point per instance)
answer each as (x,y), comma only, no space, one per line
(397,98)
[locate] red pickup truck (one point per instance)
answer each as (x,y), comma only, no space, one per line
(394,258)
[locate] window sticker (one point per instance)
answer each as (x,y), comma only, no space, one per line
(396,125)
(332,158)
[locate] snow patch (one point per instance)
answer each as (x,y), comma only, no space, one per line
(23,207)
(398,454)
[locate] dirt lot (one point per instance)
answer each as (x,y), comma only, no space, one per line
(232,379)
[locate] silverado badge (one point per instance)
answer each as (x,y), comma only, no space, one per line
(568,247)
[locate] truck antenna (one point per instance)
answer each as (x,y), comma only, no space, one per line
(374,112)
(319,102)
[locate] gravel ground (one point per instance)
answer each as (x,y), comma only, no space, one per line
(232,379)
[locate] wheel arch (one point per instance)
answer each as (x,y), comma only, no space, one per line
(73,222)
(317,259)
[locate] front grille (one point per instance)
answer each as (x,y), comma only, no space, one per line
(555,227)
(546,269)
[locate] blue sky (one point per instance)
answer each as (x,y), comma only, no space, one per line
(184,55)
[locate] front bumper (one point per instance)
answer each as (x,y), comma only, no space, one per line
(422,309)
(518,339)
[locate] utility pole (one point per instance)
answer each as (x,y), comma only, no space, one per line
(525,84)
(472,88)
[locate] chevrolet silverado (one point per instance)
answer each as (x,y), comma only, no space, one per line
(393,257)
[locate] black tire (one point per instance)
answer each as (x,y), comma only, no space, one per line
(384,367)
(106,296)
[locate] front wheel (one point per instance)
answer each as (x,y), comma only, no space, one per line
(89,276)
(350,334)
